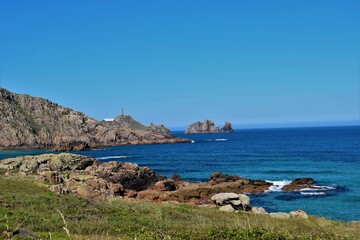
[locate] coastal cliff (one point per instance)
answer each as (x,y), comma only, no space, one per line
(208,126)
(28,122)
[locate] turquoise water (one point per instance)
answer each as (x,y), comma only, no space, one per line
(331,156)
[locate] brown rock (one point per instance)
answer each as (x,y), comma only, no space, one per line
(298,184)
(99,184)
(116,189)
(218,177)
(176,178)
(207,126)
(165,185)
(151,195)
(53,177)
(227,128)
(87,192)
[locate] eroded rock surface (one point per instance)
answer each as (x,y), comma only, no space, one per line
(28,122)
(208,126)
(67,173)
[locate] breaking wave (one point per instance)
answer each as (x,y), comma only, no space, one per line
(110,157)
(277,185)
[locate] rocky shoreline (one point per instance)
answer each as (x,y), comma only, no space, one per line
(86,177)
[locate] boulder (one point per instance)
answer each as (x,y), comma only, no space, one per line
(245,200)
(87,192)
(24,234)
(224,198)
(258,210)
(227,208)
(242,204)
(165,185)
(298,214)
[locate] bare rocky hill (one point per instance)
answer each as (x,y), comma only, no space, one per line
(28,122)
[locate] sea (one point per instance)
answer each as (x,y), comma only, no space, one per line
(329,155)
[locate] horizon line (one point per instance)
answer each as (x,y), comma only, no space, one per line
(287,125)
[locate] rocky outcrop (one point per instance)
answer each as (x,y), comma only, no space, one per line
(67,173)
(232,201)
(227,128)
(87,177)
(298,214)
(208,126)
(30,122)
(83,176)
(201,193)
(298,184)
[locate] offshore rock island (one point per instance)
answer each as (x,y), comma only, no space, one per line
(208,126)
(28,122)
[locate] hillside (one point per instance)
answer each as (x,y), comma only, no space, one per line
(28,122)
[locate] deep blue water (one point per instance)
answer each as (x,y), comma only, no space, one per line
(329,155)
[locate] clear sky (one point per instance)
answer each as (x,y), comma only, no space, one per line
(253,63)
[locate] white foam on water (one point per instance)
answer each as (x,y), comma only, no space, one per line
(277,185)
(313,193)
(110,157)
(216,140)
(324,187)
(192,141)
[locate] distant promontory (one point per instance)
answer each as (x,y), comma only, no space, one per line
(28,122)
(208,126)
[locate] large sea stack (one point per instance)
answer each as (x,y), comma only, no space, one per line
(208,126)
(28,122)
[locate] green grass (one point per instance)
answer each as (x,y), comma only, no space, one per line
(29,205)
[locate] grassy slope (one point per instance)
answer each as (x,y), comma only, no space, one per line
(31,206)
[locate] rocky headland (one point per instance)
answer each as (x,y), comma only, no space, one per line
(208,126)
(79,175)
(28,122)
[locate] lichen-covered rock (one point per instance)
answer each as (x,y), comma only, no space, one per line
(245,200)
(227,208)
(46,162)
(84,176)
(298,214)
(224,198)
(258,210)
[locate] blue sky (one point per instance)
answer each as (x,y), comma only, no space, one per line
(254,63)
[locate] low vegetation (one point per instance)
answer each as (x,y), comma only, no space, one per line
(25,204)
